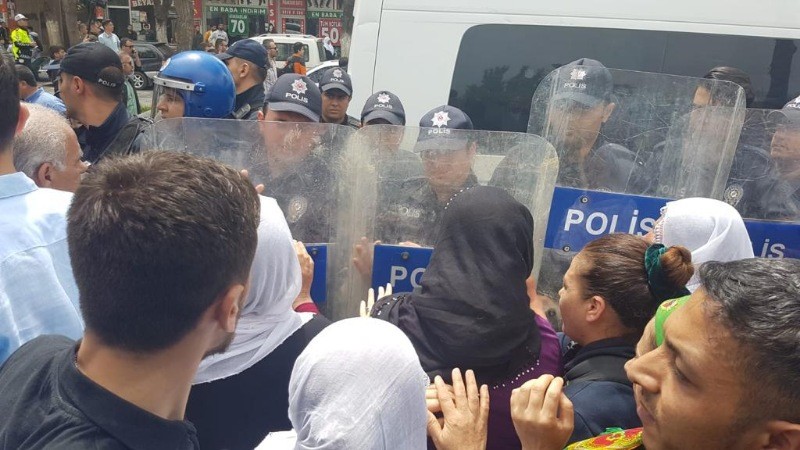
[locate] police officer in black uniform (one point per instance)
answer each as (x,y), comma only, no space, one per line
(96,101)
(337,91)
(395,165)
(582,105)
(247,61)
(785,150)
(291,167)
(447,149)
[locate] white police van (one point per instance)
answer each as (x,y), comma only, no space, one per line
(487,57)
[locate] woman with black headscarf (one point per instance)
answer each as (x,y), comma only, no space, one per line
(473,310)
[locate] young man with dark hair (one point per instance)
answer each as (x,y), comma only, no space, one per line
(297,62)
(726,376)
(57,53)
(91,87)
(108,38)
(337,91)
(38,292)
(30,91)
(174,236)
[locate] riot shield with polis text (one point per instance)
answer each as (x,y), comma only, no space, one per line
(294,163)
(412,174)
(628,142)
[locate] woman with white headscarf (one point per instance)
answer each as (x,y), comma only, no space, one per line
(712,230)
(358,385)
(240,395)
(330,52)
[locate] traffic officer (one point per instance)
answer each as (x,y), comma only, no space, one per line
(447,148)
(247,61)
(22,45)
(194,84)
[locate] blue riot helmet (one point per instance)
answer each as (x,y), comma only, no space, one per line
(203,82)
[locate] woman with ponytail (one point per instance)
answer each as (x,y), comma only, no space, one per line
(611,291)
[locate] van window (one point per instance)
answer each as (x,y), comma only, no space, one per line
(495,88)
(321,49)
(285,51)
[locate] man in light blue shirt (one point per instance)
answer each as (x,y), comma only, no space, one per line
(30,91)
(38,294)
(108,38)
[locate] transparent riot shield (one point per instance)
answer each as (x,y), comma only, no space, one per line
(764,182)
(412,174)
(627,143)
(297,166)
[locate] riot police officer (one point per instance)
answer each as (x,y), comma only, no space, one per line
(447,149)
(194,84)
(294,170)
(582,106)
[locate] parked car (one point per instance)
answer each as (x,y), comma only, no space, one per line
(38,68)
(314,54)
(153,55)
(315,74)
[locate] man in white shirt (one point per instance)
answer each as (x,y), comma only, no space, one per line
(38,294)
(108,38)
(219,33)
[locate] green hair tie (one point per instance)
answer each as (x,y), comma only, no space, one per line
(656,278)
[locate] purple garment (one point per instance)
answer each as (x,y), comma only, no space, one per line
(502,435)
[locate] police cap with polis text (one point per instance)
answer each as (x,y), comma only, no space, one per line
(440,129)
(789,114)
(383,105)
(296,93)
(585,81)
(90,61)
(336,78)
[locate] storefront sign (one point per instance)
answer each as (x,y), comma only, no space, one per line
(331,28)
(141,3)
(240,10)
(324,9)
(238,25)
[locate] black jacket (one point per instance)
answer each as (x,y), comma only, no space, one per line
(249,103)
(118,135)
(598,387)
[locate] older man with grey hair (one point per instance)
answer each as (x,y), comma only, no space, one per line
(47,151)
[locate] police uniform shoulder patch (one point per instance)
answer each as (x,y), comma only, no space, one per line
(733,194)
(296,209)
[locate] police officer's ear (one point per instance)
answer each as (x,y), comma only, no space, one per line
(243,69)
(608,110)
